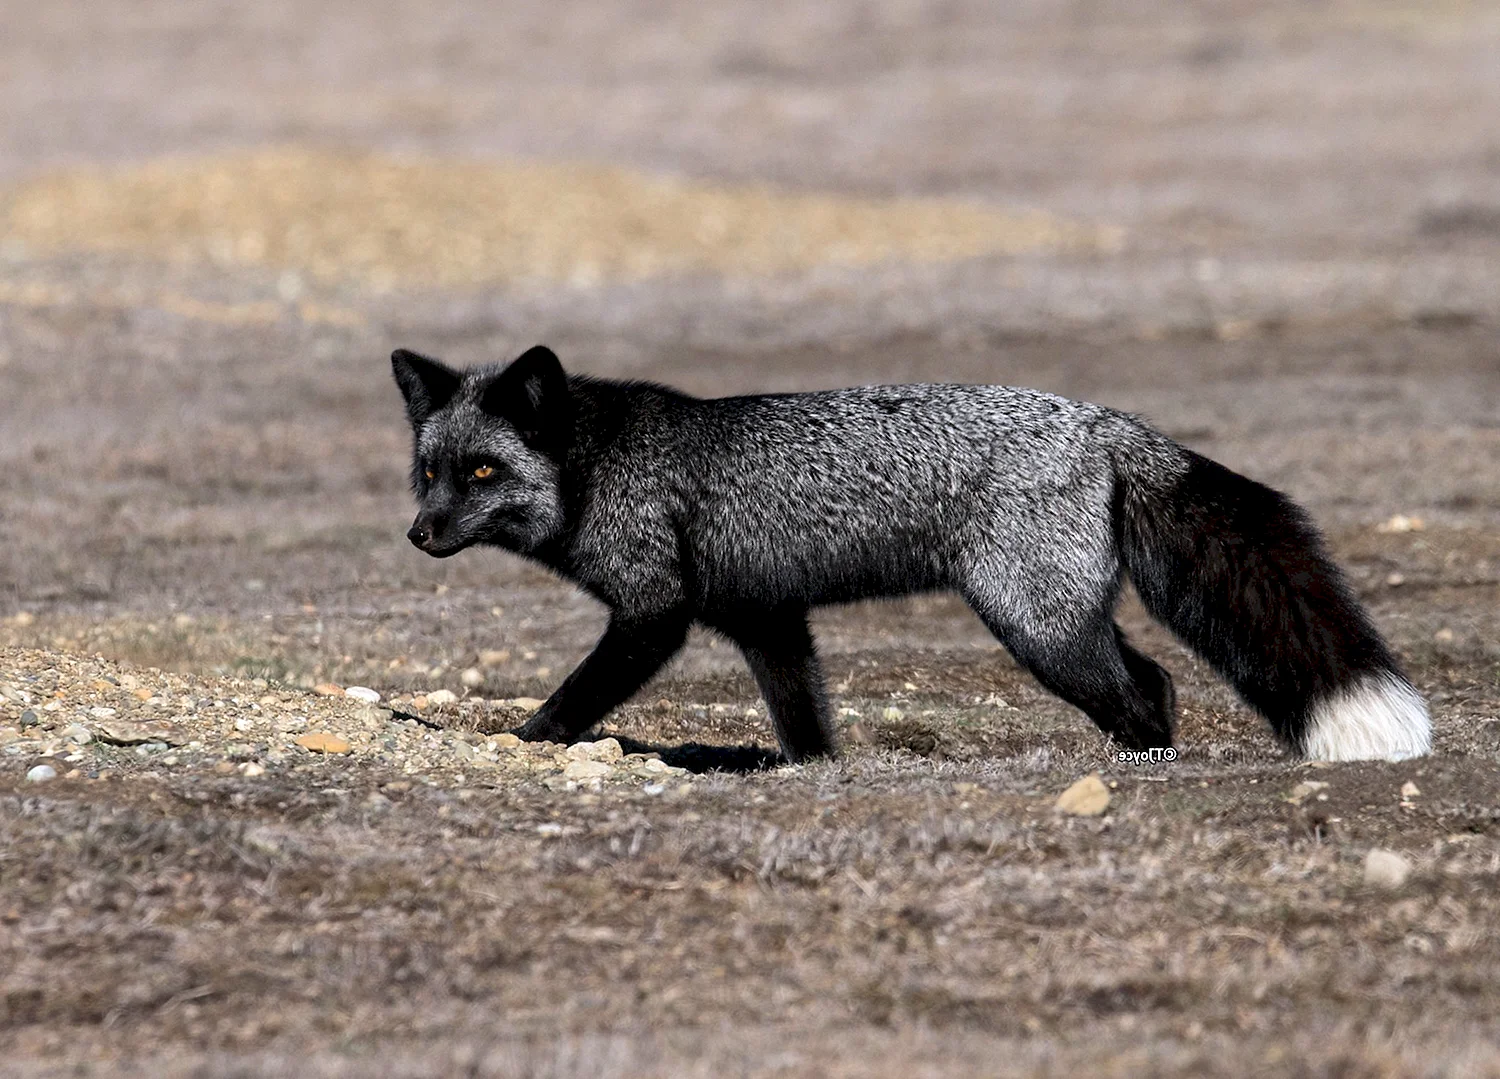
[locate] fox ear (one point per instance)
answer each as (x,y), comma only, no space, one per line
(532,394)
(426,384)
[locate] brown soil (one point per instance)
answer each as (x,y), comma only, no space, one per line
(202,513)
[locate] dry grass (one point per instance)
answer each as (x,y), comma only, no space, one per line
(424,223)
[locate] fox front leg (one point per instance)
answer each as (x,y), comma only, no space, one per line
(629,653)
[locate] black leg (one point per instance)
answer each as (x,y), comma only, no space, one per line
(779,648)
(628,654)
(1127,696)
(1151,678)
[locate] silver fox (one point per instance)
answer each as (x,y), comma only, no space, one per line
(742,513)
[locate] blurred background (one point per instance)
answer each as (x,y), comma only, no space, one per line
(1273,228)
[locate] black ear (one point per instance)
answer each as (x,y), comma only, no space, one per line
(532,394)
(426,384)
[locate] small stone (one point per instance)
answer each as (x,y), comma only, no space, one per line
(243,724)
(101,712)
(24,619)
(439,697)
(141,694)
(527,704)
(507,740)
(126,732)
(1089,797)
(29,719)
(322,742)
(250,769)
(1305,790)
(893,713)
(586,769)
(472,677)
(654,788)
(41,773)
(1444,636)
(463,751)
(363,693)
(606,749)
(78,734)
(420,702)
(1386,868)
(494,657)
(654,766)
(328,689)
(1401,523)
(1395,580)
(1410,790)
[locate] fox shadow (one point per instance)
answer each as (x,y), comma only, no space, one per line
(693,756)
(700,758)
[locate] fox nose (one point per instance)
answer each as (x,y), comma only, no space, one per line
(425,530)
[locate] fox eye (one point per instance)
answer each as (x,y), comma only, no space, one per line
(429,473)
(484,472)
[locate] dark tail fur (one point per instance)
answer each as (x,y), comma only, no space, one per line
(1241,575)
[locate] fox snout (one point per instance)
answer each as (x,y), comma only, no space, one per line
(426,533)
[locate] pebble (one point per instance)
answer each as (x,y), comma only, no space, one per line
(322,742)
(1089,797)
(1401,523)
(440,697)
(243,724)
(472,677)
(23,619)
(506,740)
(28,718)
(101,712)
(526,704)
(328,689)
(1386,868)
(1410,790)
(40,773)
(363,693)
(78,734)
(251,770)
(126,732)
(494,657)
(606,749)
(1305,790)
(586,769)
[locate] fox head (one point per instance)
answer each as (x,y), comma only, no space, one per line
(488,446)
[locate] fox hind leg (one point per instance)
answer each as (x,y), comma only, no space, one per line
(1092,667)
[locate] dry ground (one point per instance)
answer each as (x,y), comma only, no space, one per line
(1272,228)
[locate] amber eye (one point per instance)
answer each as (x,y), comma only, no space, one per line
(483,472)
(430,474)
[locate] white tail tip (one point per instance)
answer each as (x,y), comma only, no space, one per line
(1379,718)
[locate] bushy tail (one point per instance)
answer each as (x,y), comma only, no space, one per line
(1238,572)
